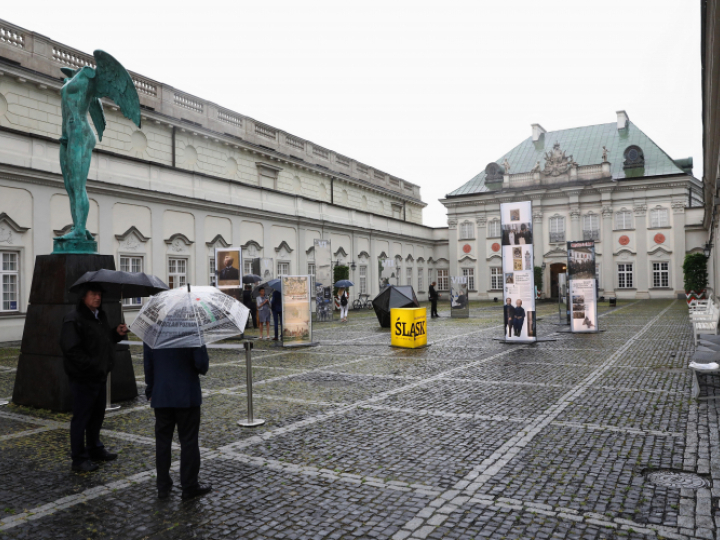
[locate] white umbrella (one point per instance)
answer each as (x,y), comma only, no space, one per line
(189,317)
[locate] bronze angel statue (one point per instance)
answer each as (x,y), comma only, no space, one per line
(81,94)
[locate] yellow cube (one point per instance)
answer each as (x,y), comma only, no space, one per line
(408,327)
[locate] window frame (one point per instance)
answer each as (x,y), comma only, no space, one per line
(491,225)
(469,273)
(466,230)
(593,231)
(559,230)
(657,213)
(277,268)
(362,278)
(626,213)
(420,272)
(625,273)
(17,282)
(659,273)
(409,275)
(131,302)
(182,276)
(496,273)
(443,279)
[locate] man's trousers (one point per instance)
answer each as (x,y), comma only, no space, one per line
(188,423)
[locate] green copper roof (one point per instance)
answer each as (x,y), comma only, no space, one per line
(585,145)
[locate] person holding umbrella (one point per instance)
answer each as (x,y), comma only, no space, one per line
(88,346)
(276,304)
(343,286)
(263,312)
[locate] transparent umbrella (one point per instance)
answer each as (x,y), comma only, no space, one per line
(189,317)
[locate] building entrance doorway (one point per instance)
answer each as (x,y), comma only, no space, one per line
(555,269)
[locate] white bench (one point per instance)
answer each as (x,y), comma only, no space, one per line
(696,382)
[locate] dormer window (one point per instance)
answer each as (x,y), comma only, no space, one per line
(634,157)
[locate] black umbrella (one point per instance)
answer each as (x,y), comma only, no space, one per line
(250,278)
(393,296)
(117,284)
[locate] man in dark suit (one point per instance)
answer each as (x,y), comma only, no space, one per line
(433,296)
(229,272)
(509,315)
(88,346)
(276,306)
(173,389)
(249,303)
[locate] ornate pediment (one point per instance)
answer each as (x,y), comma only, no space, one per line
(409,258)
(494,256)
(556,162)
(8,229)
(659,251)
(467,258)
(556,253)
(132,239)
(218,241)
(382,255)
(340,253)
(179,243)
(421,259)
(251,248)
(363,255)
(283,246)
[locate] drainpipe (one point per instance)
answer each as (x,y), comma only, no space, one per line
(332,190)
(404,203)
(173,146)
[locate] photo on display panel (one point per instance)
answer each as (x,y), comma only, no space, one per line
(228,262)
(582,286)
(519,287)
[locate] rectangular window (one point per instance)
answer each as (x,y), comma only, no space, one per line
(442,280)
(420,279)
(625,276)
(496,278)
(591,227)
(131,264)
(363,279)
(494,229)
(177,273)
(659,217)
(469,273)
(311,269)
(661,274)
(623,220)
(466,231)
(213,276)
(557,229)
(283,269)
(408,276)
(10,281)
(247,266)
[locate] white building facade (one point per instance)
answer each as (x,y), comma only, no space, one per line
(196,176)
(609,183)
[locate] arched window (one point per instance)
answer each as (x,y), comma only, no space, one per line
(466,230)
(493,229)
(623,220)
(557,229)
(659,217)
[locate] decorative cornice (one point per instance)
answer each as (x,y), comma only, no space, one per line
(556,252)
(219,240)
(253,243)
(181,237)
(494,256)
(678,207)
(382,255)
(659,249)
(132,230)
(624,250)
(607,212)
(284,245)
(640,210)
(467,258)
(12,224)
(409,258)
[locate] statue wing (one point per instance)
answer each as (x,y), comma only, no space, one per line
(113,81)
(98,116)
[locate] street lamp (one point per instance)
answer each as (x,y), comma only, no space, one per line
(707,250)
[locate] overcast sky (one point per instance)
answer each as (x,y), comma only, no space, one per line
(427,91)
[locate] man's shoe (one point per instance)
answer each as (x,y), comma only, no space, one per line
(198,491)
(85,467)
(274,339)
(164,494)
(103,456)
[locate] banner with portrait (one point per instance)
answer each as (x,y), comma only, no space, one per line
(228,274)
(518,272)
(296,311)
(459,305)
(323,285)
(582,288)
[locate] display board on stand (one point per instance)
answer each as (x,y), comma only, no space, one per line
(323,285)
(582,291)
(459,304)
(228,274)
(387,272)
(264,268)
(296,311)
(518,273)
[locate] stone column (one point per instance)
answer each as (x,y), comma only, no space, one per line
(679,248)
(106,240)
(159,248)
(482,274)
(202,269)
(575,228)
(608,260)
(301,259)
(453,246)
(372,274)
(642,273)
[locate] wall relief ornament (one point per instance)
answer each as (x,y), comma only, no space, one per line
(556,162)
(640,210)
(607,211)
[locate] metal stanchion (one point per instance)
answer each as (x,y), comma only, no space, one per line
(109,407)
(251,421)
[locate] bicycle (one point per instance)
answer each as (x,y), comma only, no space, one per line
(363,302)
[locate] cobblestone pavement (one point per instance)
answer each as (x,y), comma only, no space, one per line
(468,438)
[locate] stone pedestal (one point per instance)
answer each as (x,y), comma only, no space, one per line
(40,379)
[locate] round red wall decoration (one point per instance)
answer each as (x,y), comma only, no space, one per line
(496,247)
(467,248)
(659,238)
(624,240)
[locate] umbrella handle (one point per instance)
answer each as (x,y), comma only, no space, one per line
(122,311)
(188,285)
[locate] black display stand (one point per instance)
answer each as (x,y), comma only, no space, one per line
(40,380)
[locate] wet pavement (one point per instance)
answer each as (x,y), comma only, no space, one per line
(467,438)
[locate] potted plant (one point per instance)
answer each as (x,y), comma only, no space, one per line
(695,276)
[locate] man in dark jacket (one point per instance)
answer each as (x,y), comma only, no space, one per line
(88,346)
(433,296)
(509,316)
(250,304)
(276,305)
(173,389)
